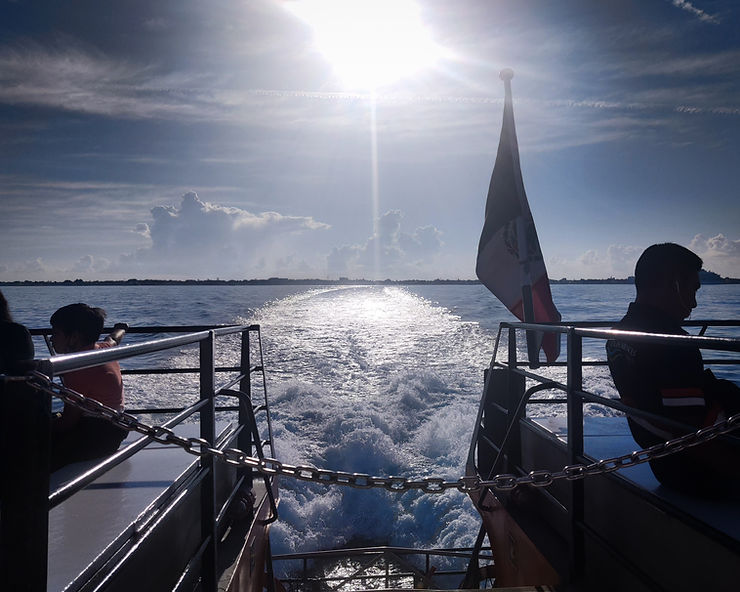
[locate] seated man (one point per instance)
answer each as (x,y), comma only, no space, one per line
(75,437)
(670,380)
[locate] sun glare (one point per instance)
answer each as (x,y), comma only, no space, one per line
(369,43)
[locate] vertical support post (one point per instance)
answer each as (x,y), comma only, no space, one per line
(244,441)
(575,454)
(24,488)
(209,579)
(515,392)
(512,348)
(270,583)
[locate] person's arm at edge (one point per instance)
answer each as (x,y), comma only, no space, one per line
(116,335)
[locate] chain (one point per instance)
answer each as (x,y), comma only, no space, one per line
(270,466)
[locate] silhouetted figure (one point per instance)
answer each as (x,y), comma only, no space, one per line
(16,345)
(75,437)
(670,380)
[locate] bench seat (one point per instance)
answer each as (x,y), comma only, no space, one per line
(606,437)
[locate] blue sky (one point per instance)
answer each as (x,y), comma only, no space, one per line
(188,139)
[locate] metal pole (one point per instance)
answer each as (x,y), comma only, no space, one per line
(575,454)
(209,563)
(244,442)
(515,410)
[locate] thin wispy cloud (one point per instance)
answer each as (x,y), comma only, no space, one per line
(697,12)
(81,81)
(702,66)
(84,81)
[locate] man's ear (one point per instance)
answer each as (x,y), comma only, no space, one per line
(75,341)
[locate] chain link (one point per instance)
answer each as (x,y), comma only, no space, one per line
(471,483)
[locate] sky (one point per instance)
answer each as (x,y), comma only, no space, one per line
(321,139)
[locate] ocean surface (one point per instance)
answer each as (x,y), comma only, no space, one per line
(379,380)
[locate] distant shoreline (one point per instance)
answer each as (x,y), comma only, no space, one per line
(707,278)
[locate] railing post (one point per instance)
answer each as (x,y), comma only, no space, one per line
(512,348)
(575,453)
(515,386)
(244,441)
(209,563)
(24,528)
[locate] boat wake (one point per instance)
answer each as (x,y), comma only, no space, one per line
(372,380)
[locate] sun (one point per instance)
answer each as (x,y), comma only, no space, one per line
(369,43)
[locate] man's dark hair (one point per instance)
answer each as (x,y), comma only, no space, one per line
(665,261)
(81,319)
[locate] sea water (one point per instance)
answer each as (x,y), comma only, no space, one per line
(383,380)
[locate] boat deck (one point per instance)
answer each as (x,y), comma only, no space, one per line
(94,524)
(606,437)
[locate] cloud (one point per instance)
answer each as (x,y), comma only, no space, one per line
(623,256)
(88,264)
(700,14)
(720,254)
(590,258)
(31,266)
(617,261)
(389,252)
(202,239)
(142,228)
(86,81)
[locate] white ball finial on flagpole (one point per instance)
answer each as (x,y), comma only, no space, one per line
(506,74)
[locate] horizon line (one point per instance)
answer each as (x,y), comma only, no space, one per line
(710,278)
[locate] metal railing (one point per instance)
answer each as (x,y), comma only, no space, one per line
(514,409)
(575,333)
(384,564)
(29,494)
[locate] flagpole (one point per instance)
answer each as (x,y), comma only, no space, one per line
(533,343)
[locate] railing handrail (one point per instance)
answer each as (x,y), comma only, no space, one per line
(60,364)
(714,343)
(155,329)
(354,552)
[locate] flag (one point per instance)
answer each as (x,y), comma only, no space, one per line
(510,262)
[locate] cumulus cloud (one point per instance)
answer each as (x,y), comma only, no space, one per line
(202,239)
(143,229)
(29,269)
(590,258)
(90,264)
(623,257)
(617,261)
(720,254)
(32,266)
(390,252)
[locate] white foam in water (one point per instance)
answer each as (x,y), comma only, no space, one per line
(379,381)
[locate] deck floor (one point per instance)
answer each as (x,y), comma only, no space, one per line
(83,526)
